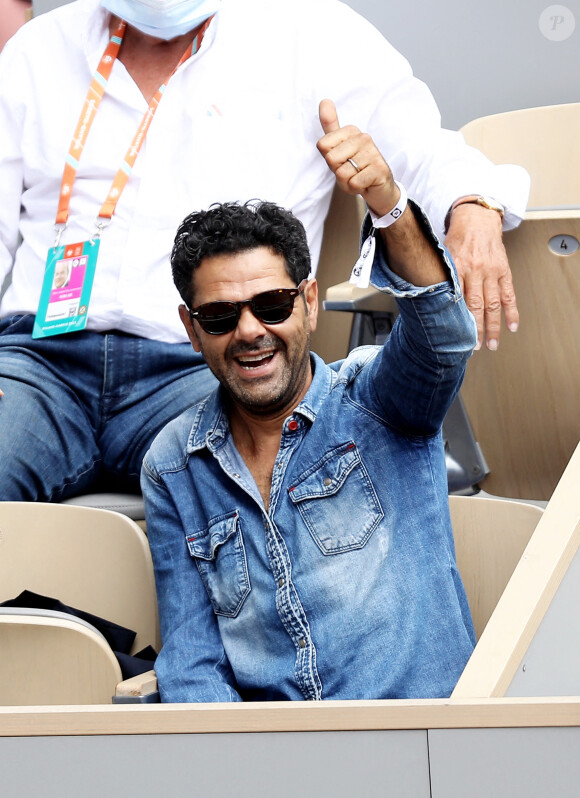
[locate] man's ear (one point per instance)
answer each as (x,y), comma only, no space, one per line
(187,322)
(311,298)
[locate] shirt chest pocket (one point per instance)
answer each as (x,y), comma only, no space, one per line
(337,501)
(220,557)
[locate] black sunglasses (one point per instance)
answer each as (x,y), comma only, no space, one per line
(269,307)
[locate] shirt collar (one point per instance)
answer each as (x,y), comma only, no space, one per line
(95,33)
(323,378)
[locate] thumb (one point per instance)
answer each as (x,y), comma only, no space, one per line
(328,116)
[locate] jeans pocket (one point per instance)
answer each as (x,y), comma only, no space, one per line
(220,557)
(337,501)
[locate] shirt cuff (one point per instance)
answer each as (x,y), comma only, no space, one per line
(385,280)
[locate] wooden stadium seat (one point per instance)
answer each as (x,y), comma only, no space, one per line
(94,560)
(531,643)
(543,140)
(339,253)
(490,535)
(52,658)
(523,399)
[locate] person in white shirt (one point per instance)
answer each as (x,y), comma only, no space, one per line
(238,119)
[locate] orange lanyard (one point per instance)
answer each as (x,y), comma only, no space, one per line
(91,104)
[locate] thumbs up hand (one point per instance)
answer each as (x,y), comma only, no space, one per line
(356,162)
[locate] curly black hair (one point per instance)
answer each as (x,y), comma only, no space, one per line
(230,227)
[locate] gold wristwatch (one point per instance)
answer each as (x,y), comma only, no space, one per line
(478,199)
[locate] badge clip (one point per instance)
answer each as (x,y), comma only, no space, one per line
(59,229)
(100,223)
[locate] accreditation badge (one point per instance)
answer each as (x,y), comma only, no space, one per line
(66,289)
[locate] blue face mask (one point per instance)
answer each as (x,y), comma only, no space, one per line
(164,19)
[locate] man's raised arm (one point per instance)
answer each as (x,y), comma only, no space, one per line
(361,169)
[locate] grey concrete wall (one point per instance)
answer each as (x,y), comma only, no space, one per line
(481,58)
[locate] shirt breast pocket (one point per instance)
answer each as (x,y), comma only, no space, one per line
(220,556)
(337,501)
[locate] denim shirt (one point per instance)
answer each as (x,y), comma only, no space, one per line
(347,586)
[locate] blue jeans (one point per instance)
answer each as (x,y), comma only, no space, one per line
(79,411)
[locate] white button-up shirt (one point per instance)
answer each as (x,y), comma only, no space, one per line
(238,120)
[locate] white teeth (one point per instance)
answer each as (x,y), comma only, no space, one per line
(253,358)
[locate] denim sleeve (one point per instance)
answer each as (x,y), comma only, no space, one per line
(192,665)
(422,364)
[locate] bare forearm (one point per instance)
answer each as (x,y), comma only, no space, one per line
(411,253)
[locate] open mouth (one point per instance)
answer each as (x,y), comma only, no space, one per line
(251,362)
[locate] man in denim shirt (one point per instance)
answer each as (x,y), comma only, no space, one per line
(298,517)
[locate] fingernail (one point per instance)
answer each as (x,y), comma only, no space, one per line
(513,327)
(477,346)
(492,344)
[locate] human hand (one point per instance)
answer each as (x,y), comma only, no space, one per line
(356,162)
(360,168)
(474,241)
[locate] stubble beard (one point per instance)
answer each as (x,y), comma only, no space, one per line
(272,398)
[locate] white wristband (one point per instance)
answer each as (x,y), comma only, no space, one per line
(391,217)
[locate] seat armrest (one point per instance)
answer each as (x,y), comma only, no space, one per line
(140,689)
(345,296)
(128,504)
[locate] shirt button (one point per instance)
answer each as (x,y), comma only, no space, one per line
(327,481)
(302,643)
(281,582)
(237,476)
(293,425)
